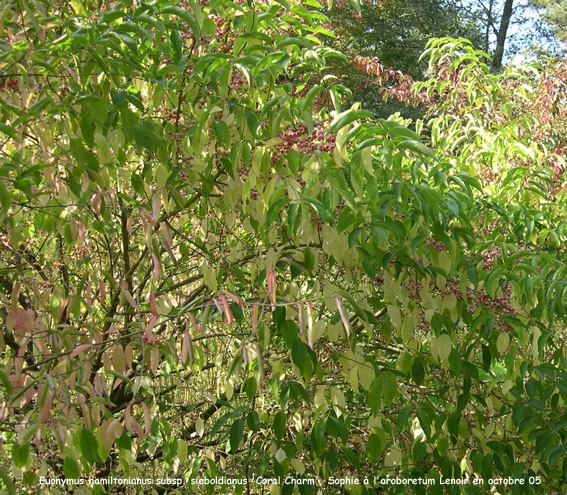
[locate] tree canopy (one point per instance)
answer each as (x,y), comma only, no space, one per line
(555,13)
(216,277)
(394,33)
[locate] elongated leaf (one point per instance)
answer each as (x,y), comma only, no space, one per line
(374,447)
(374,396)
(321,209)
(298,354)
(346,118)
(274,209)
(71,468)
(9,131)
(236,432)
(20,454)
(89,446)
(389,387)
(7,481)
(308,99)
(144,136)
(5,200)
(280,421)
(187,17)
(424,422)
(415,146)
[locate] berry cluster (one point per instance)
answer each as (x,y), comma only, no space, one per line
(298,139)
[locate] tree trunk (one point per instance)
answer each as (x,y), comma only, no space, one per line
(489,25)
(501,38)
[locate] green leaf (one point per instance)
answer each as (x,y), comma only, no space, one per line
(442,446)
(20,454)
(251,386)
(187,17)
(87,132)
(294,41)
(308,100)
(119,375)
(471,370)
(415,146)
(486,357)
(321,209)
(5,199)
(152,21)
(4,377)
(298,354)
(339,428)
(374,447)
(444,346)
(253,421)
(346,118)
(346,219)
(132,27)
(7,481)
(71,468)
(290,332)
(419,450)
(236,432)
(403,417)
(374,397)
(9,131)
(389,387)
(318,440)
(83,157)
(144,137)
(418,372)
(424,422)
(274,209)
(280,422)
(89,446)
(355,4)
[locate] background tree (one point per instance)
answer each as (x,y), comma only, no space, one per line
(555,13)
(502,33)
(527,31)
(394,33)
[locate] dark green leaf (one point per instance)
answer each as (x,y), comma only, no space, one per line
(253,421)
(251,387)
(419,450)
(144,136)
(290,332)
(89,446)
(321,209)
(280,421)
(389,387)
(9,131)
(71,468)
(374,397)
(236,432)
(187,17)
(298,354)
(418,372)
(274,209)
(374,447)
(318,440)
(20,454)
(7,481)
(424,422)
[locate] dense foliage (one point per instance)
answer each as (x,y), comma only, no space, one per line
(395,34)
(211,270)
